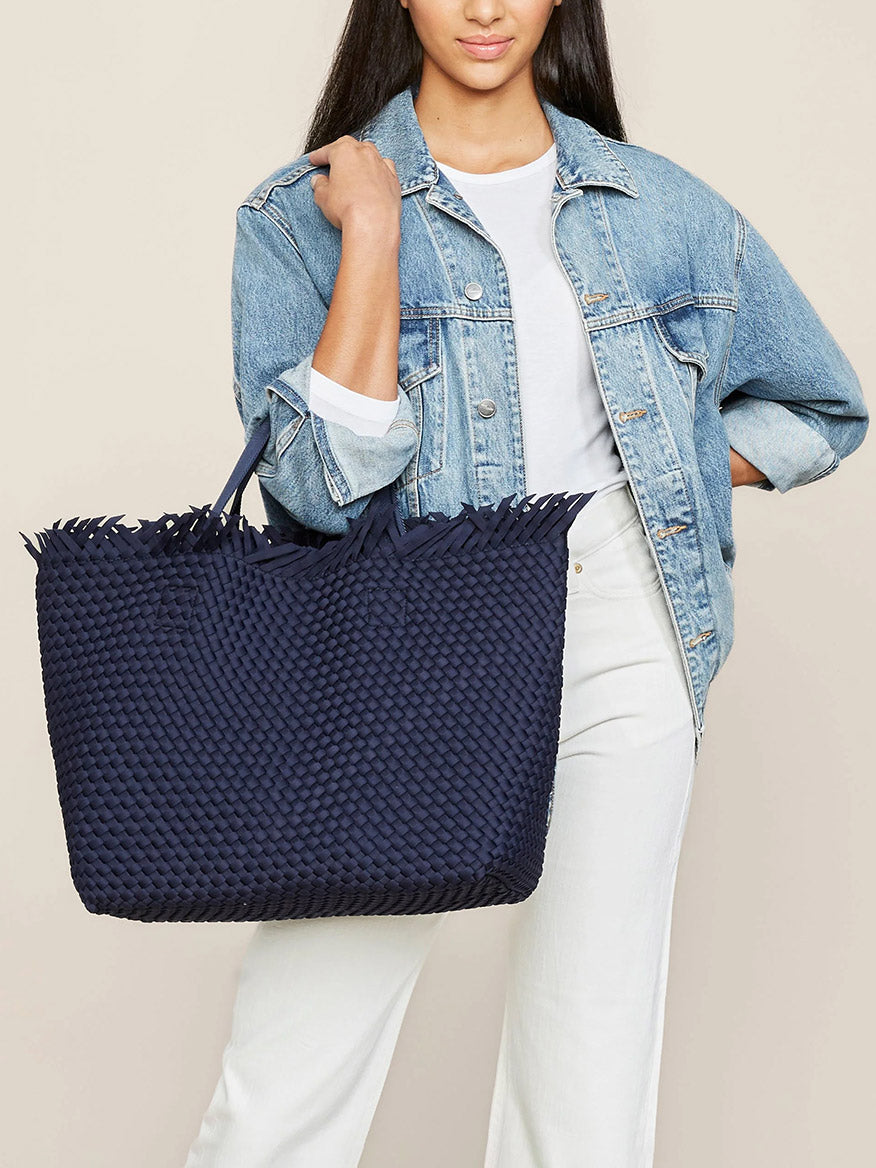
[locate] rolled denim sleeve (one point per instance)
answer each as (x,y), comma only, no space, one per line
(320,471)
(791,402)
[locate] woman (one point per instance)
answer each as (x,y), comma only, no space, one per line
(472,286)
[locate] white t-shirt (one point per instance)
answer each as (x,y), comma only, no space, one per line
(567,441)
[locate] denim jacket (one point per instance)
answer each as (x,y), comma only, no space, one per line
(700,338)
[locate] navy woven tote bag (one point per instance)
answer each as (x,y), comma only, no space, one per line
(253,724)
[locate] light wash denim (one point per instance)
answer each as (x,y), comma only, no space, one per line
(700,337)
(320,1002)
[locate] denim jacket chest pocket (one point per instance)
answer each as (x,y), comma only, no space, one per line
(421,378)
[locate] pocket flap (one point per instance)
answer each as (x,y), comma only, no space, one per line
(419,356)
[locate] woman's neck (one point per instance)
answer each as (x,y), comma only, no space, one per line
(481,131)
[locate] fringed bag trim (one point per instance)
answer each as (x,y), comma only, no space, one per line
(375,532)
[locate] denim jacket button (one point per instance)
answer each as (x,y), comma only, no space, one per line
(473,290)
(487,407)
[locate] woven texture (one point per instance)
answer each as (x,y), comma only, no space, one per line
(248,725)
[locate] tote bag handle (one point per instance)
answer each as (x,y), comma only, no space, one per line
(243,470)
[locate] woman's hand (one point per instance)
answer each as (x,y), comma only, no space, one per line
(743,472)
(361,188)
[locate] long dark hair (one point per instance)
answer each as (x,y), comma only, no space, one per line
(379,54)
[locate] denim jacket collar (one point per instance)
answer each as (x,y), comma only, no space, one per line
(584,157)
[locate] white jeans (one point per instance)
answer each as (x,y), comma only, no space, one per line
(320,1002)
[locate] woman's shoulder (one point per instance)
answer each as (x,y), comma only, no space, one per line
(283,176)
(283,196)
(671,189)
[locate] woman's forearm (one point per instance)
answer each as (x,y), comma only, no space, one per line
(358,346)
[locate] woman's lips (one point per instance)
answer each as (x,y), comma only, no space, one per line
(486,52)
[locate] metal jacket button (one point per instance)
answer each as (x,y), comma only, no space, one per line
(473,290)
(487,407)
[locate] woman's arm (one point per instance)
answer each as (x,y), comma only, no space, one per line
(791,402)
(320,471)
(361,197)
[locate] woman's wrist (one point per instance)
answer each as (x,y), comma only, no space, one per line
(371,234)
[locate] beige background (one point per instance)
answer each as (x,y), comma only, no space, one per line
(133,132)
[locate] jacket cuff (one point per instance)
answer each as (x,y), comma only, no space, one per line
(353,464)
(777,442)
